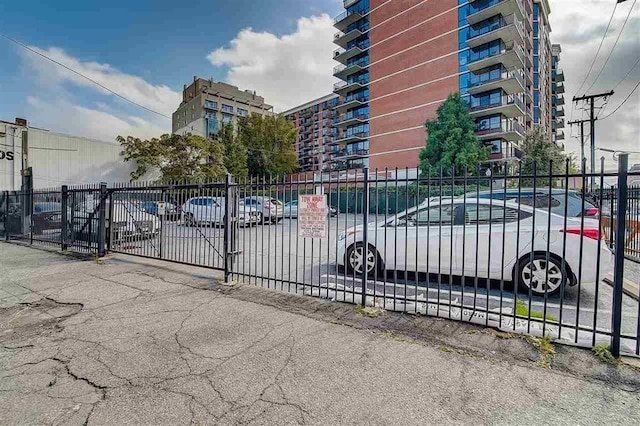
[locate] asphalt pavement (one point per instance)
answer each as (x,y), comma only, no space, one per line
(131,341)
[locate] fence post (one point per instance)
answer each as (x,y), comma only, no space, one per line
(102,220)
(6,215)
(618,271)
(365,235)
(65,217)
(227,228)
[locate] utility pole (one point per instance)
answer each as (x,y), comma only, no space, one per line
(592,120)
(582,141)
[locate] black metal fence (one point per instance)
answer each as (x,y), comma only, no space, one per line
(538,253)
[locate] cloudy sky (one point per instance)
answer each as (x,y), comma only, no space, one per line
(146,50)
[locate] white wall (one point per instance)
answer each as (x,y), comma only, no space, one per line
(59,159)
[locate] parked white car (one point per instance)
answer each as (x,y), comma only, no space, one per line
(270,209)
(131,221)
(211,211)
(483,238)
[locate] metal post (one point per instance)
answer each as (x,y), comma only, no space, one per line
(6,215)
(227,228)
(365,236)
(102,220)
(618,271)
(65,218)
(593,145)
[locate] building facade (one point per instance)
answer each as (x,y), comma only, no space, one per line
(557,97)
(57,159)
(314,122)
(208,105)
(400,59)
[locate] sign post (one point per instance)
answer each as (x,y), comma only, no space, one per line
(312,216)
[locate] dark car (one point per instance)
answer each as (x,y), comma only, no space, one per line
(172,212)
(46,216)
(544,198)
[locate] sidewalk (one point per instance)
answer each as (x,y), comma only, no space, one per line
(130,341)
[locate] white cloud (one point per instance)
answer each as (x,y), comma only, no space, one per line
(156,97)
(287,70)
(64,117)
(578,25)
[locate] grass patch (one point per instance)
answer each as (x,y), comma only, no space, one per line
(604,354)
(523,311)
(445,348)
(504,335)
(369,311)
(546,349)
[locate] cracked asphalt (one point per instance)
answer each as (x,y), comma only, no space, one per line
(126,341)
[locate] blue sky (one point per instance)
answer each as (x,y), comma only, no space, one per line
(146,50)
(162,42)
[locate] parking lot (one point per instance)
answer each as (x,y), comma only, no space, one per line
(274,256)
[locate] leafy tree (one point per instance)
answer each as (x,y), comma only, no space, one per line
(235,152)
(177,157)
(270,144)
(451,141)
(539,149)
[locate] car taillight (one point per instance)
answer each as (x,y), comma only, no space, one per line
(267,206)
(593,211)
(593,233)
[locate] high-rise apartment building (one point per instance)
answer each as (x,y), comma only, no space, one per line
(316,133)
(400,59)
(557,96)
(207,105)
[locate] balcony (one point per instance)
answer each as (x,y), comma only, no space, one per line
(343,39)
(557,100)
(558,88)
(508,29)
(509,106)
(352,102)
(559,111)
(346,18)
(559,135)
(342,87)
(480,10)
(509,130)
(510,58)
(351,137)
(343,71)
(558,75)
(343,55)
(350,119)
(559,123)
(511,82)
(348,154)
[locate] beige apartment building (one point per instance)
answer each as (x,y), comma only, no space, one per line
(207,105)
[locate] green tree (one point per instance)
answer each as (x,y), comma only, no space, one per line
(235,152)
(451,141)
(270,144)
(177,157)
(539,149)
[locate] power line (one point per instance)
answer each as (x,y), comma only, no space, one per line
(614,46)
(627,74)
(83,76)
(623,102)
(604,36)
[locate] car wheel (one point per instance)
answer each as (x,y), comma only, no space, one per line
(189,220)
(541,275)
(259,218)
(356,259)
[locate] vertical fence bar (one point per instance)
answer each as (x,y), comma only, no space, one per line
(227,227)
(6,216)
(102,219)
(618,271)
(64,206)
(365,236)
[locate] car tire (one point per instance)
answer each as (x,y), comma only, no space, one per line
(189,220)
(546,277)
(260,219)
(355,252)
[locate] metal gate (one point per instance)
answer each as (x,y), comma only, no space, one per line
(193,224)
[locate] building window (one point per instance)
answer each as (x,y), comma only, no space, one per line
(227,108)
(226,118)
(243,112)
(210,105)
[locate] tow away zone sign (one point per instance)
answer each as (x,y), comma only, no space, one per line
(312,216)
